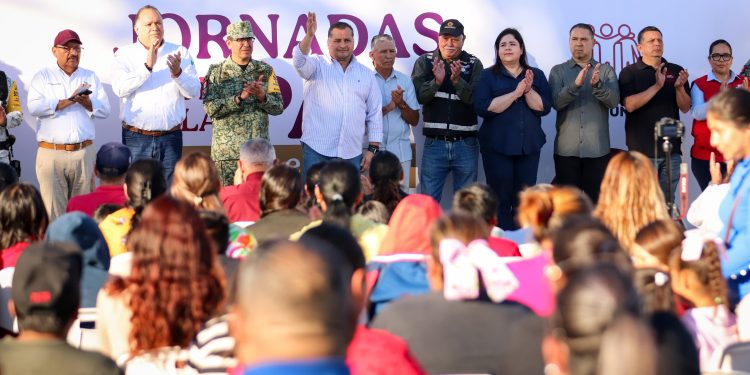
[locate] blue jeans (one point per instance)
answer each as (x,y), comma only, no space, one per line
(167,148)
(439,158)
(311,157)
(674,177)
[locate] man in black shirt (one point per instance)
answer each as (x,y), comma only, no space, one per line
(652,89)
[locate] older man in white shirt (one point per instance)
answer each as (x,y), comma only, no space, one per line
(342,100)
(65,99)
(153,78)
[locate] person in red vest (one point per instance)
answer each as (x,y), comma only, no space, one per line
(702,90)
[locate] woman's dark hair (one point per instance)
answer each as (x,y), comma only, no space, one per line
(582,241)
(340,186)
(145,181)
(596,318)
(716,43)
(385,174)
(217,228)
(280,189)
(22,215)
(311,179)
(498,67)
(8,176)
(341,240)
(655,289)
(732,106)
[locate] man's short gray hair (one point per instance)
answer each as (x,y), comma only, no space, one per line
(257,151)
(378,38)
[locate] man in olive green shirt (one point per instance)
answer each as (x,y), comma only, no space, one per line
(240,93)
(583,91)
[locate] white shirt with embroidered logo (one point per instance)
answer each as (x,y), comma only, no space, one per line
(73,124)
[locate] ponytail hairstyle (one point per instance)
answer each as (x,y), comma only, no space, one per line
(700,254)
(544,210)
(340,188)
(385,174)
(655,289)
(196,181)
(144,181)
(311,180)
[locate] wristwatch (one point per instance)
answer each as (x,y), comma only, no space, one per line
(374,149)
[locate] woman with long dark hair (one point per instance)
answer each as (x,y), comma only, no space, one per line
(280,194)
(385,174)
(512,97)
(144,182)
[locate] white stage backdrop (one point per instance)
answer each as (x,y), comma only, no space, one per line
(29,26)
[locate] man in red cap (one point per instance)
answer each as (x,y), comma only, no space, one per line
(65,99)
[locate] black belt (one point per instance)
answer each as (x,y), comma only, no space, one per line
(450,138)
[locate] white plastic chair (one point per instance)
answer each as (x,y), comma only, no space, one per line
(735,357)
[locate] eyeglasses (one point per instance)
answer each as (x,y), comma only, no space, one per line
(67,50)
(721,56)
(244,40)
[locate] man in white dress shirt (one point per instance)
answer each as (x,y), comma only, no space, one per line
(153,77)
(342,100)
(65,99)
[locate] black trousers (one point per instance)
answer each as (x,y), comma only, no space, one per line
(583,173)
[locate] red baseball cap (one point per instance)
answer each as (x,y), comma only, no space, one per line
(66,36)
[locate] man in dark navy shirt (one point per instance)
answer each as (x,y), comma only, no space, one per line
(652,89)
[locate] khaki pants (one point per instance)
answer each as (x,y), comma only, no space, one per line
(62,175)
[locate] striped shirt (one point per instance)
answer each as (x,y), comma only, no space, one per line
(341,106)
(212,351)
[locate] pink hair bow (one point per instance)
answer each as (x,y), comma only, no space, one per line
(462,265)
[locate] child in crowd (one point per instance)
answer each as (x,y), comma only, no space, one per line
(654,243)
(696,276)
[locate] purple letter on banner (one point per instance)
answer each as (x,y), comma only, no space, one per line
(398,40)
(423,30)
(204,37)
(271,46)
(301,24)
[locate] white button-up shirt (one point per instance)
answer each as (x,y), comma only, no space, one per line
(153,100)
(339,105)
(73,124)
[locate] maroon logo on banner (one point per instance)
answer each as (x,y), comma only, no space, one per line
(616,47)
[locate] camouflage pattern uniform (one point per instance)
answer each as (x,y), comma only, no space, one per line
(234,124)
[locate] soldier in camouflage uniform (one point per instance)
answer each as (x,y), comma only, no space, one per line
(240,93)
